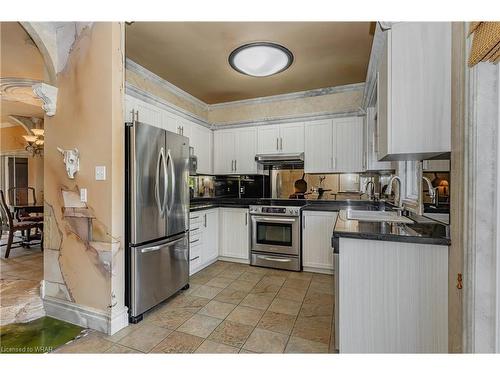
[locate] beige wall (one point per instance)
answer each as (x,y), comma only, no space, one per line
(11,139)
(88,117)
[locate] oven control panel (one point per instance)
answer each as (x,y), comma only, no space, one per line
(275,210)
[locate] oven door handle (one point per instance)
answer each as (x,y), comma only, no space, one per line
(277,220)
(272,259)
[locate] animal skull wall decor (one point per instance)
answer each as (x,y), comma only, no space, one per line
(71,160)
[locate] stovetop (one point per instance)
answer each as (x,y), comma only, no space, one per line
(281,203)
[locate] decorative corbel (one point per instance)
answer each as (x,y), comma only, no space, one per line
(48,94)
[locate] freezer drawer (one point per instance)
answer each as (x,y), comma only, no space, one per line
(158,271)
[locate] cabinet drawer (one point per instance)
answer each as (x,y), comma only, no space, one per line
(195,218)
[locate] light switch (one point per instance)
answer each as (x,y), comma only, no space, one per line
(100,173)
(83,195)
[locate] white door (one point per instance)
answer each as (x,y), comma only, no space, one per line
(317,228)
(201,141)
(246,148)
(224,150)
(210,235)
(234,233)
(318,146)
(268,139)
(292,137)
(348,144)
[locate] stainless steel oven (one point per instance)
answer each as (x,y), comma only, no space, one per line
(275,237)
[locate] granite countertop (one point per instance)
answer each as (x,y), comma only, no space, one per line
(198,204)
(422,230)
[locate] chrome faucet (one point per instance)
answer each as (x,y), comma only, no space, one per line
(432,190)
(389,190)
(371,193)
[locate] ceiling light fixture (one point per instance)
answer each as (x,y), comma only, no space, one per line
(35,142)
(260,59)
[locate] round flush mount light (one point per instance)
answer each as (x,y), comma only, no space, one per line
(260,59)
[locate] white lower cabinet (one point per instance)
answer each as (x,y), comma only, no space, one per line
(203,239)
(234,233)
(317,230)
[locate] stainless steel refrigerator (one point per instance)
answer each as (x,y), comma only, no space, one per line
(157,216)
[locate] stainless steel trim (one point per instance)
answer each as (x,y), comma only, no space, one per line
(205,220)
(198,257)
(161,209)
(277,140)
(281,144)
(235,165)
(275,259)
(194,217)
(280,158)
(246,219)
(293,249)
(304,222)
(172,181)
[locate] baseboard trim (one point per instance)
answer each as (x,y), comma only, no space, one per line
(234,260)
(84,316)
(317,270)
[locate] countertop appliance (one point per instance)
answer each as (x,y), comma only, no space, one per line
(275,236)
(157,212)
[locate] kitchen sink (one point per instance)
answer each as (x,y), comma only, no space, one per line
(378,216)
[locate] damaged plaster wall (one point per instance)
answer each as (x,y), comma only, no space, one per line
(83,259)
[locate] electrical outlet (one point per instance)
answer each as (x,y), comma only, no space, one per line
(100,173)
(83,195)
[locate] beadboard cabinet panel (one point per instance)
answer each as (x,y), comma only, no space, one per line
(348,145)
(317,229)
(318,146)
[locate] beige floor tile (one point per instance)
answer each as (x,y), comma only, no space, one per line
(232,273)
(94,342)
(120,349)
(300,345)
(285,306)
(219,282)
(217,309)
(322,287)
(322,277)
(273,279)
(231,333)
(178,342)
(205,291)
(194,302)
(277,322)
(313,328)
(296,284)
(243,285)
(199,325)
(258,301)
(145,337)
(245,315)
(171,318)
(263,341)
(229,295)
(265,286)
(316,298)
(251,276)
(244,351)
(280,273)
(312,309)
(190,290)
(209,346)
(292,294)
(301,275)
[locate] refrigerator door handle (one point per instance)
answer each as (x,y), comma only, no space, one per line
(169,162)
(161,159)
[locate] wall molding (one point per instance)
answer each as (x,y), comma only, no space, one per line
(84,316)
(374,62)
(290,96)
(146,96)
(48,94)
(170,87)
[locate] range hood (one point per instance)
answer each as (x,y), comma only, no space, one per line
(280,159)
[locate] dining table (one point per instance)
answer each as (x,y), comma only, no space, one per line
(26,207)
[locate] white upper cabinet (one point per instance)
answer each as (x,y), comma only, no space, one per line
(234,151)
(318,146)
(170,122)
(348,145)
(414,91)
(201,139)
(371,143)
(334,146)
(268,139)
(283,138)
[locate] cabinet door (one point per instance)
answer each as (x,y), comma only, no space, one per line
(268,139)
(185,127)
(170,122)
(210,236)
(317,228)
(224,150)
(234,233)
(292,137)
(201,141)
(318,147)
(246,148)
(148,114)
(348,144)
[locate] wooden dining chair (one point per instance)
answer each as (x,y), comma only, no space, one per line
(12,225)
(23,195)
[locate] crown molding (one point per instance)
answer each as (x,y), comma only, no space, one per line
(288,119)
(143,72)
(290,96)
(371,74)
(147,97)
